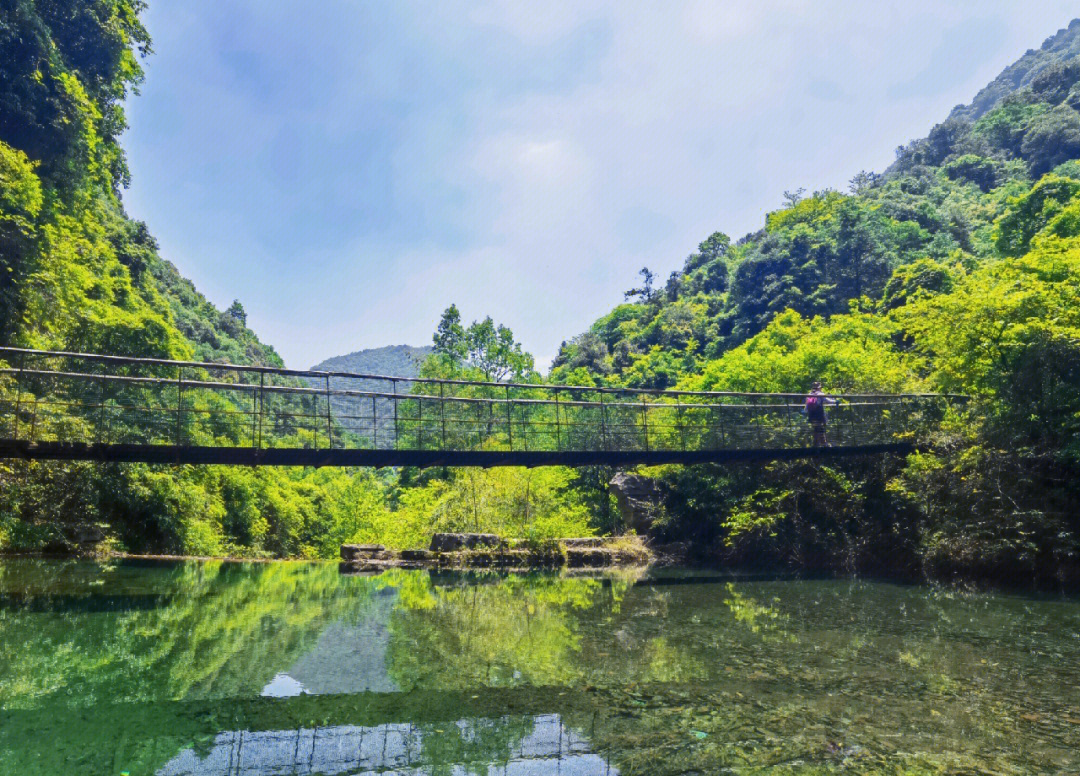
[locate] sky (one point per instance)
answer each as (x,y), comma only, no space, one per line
(347,169)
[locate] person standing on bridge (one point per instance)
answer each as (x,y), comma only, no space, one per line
(816,401)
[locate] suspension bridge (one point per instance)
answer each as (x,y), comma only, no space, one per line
(78,406)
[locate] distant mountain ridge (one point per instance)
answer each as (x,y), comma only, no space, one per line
(1060,47)
(366,417)
(389,361)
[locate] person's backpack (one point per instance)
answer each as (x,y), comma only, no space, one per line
(815,406)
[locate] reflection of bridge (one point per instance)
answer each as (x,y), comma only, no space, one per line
(542,744)
(71,406)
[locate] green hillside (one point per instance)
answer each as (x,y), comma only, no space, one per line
(1057,49)
(77,274)
(936,205)
(955,270)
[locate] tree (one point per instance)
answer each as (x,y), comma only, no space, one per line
(1053,83)
(973,168)
(449,339)
(645,293)
(493,351)
(587,351)
(1031,212)
(715,247)
(1052,139)
(792,198)
(486,349)
(236,312)
(863,181)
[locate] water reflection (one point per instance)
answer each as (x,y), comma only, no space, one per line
(346,658)
(501,747)
(112,667)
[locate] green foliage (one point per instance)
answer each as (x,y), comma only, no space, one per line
(482,351)
(1008,333)
(851,354)
(1044,64)
(21,201)
(1033,211)
(953,271)
(1053,138)
(924,276)
(1004,128)
(975,169)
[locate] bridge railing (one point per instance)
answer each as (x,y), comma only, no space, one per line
(91,399)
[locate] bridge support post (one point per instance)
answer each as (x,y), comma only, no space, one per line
(682,426)
(101,411)
(18,392)
(179,404)
(509,420)
(329,419)
(603,424)
(254,416)
(558,426)
(645,422)
(760,422)
(262,407)
(442,414)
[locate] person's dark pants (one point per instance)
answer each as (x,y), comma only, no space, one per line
(817,426)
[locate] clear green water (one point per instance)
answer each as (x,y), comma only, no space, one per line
(205,668)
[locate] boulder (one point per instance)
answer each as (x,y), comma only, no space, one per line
(78,539)
(361,551)
(639,499)
(452,542)
(586,541)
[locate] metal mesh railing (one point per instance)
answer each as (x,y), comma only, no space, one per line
(109,400)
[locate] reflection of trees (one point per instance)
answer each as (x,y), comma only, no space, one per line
(518,631)
(536,630)
(762,619)
(168,632)
(472,746)
(479,746)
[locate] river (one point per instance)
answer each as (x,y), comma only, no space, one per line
(216,669)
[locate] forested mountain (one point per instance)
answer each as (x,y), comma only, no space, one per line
(958,269)
(359,413)
(75,272)
(1057,49)
(933,210)
(392,361)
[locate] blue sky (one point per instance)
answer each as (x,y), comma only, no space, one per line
(348,168)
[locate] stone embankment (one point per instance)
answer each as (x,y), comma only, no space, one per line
(475,550)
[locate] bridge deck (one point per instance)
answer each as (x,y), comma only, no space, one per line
(72,406)
(249,456)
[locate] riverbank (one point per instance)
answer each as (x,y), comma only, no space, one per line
(447,551)
(472,550)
